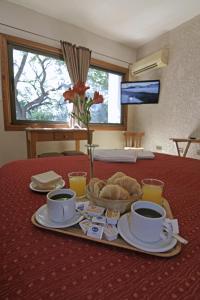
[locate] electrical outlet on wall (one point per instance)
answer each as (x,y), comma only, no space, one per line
(158,147)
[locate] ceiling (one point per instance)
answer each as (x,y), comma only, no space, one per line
(130,22)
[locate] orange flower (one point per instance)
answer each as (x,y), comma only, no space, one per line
(97,98)
(80,88)
(82,103)
(69,95)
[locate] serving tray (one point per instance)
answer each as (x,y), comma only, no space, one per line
(119,242)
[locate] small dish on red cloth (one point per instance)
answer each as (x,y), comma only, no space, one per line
(59,185)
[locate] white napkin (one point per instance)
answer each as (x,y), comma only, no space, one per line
(115,155)
(145,155)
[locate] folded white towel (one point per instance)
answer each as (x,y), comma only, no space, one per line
(145,155)
(115,155)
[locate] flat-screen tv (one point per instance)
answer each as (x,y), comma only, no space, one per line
(140,92)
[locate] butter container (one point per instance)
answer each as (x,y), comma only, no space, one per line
(82,205)
(112,216)
(110,232)
(95,231)
(85,225)
(95,211)
(99,220)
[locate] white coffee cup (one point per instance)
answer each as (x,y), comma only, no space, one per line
(61,204)
(148,223)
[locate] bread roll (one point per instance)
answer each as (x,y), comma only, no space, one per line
(98,185)
(129,184)
(115,176)
(92,183)
(114,192)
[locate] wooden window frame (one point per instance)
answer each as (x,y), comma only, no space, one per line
(6,92)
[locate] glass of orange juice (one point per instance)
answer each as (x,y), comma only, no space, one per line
(152,190)
(77,182)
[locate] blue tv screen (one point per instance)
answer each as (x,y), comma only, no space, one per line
(140,92)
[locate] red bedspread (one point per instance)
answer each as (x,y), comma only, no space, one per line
(38,264)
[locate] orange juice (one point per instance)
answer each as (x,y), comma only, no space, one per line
(152,193)
(77,183)
(152,190)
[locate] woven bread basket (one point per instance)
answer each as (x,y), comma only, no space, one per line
(121,205)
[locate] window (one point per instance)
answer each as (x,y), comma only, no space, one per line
(38,84)
(108,84)
(34,79)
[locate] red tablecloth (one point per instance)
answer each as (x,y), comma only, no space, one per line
(38,264)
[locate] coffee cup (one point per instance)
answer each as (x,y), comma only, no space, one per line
(61,204)
(147,222)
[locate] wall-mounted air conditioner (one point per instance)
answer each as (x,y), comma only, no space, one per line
(154,61)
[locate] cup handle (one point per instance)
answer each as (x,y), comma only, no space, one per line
(167,232)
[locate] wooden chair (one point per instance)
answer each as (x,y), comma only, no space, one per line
(72,153)
(64,153)
(49,154)
(133,140)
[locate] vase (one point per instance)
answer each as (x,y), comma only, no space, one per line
(90,151)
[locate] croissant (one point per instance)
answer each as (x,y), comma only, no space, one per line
(98,185)
(115,176)
(129,184)
(114,192)
(92,183)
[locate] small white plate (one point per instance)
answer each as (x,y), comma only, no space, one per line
(160,246)
(42,218)
(60,185)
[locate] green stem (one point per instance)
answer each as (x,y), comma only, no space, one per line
(89,137)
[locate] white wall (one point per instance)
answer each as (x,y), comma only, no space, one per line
(178,112)
(13,144)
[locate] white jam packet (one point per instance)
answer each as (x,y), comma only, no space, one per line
(112,216)
(99,220)
(82,205)
(174,223)
(85,225)
(95,231)
(110,232)
(95,211)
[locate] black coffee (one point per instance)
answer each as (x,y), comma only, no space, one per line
(61,197)
(147,212)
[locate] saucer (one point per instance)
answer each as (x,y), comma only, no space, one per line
(59,185)
(160,246)
(42,218)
